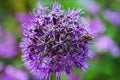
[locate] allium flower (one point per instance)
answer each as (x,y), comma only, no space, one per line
(113,17)
(55,41)
(73,76)
(96,26)
(8,45)
(91,6)
(105,43)
(12,73)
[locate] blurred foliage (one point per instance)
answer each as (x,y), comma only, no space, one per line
(115,5)
(105,67)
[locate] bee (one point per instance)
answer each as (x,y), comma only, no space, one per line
(86,37)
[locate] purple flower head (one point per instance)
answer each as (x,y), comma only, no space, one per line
(91,6)
(113,17)
(96,26)
(8,47)
(12,73)
(73,76)
(105,43)
(55,41)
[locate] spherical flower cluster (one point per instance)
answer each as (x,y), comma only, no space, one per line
(12,73)
(8,44)
(55,41)
(112,16)
(96,26)
(91,6)
(106,44)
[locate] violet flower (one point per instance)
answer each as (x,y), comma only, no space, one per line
(96,26)
(12,73)
(105,44)
(73,76)
(55,41)
(91,6)
(8,46)
(113,17)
